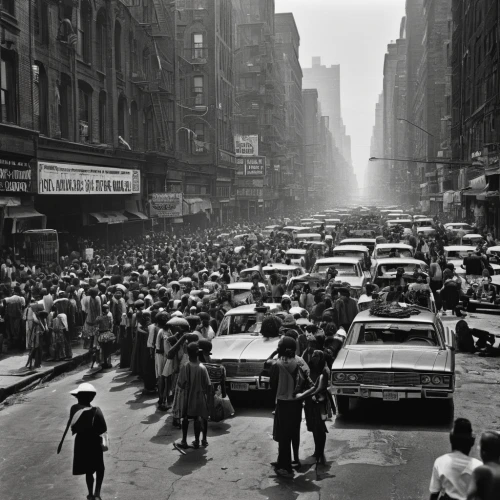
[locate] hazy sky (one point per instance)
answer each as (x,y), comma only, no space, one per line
(354,33)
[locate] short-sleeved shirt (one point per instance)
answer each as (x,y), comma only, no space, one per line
(452,474)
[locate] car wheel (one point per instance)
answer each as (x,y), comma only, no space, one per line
(342,403)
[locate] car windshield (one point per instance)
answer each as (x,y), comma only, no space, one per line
(387,334)
(244,323)
(348,253)
(396,252)
(342,268)
(392,268)
(406,224)
(465,227)
(457,254)
(294,255)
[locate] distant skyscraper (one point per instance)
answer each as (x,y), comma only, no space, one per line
(327,82)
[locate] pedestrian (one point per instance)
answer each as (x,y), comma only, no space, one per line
(288,414)
(194,386)
(317,404)
(485,484)
(452,472)
(105,337)
(88,423)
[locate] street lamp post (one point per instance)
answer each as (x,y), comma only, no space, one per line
(415,125)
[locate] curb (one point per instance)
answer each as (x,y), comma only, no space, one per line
(53,371)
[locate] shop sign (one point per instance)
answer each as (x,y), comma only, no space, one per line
(246,145)
(249,192)
(15,176)
(255,166)
(476,154)
(227,159)
(63,178)
(165,205)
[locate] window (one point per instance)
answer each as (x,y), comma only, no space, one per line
(223,191)
(102,117)
(101,40)
(146,64)
(198,51)
(84,33)
(8,97)
(149,134)
(41,21)
(64,106)
(118,46)
(122,110)
(8,6)
(40,98)
(146,12)
(84,112)
(134,126)
(199,98)
(199,138)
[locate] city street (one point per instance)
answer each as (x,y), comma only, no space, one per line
(377,452)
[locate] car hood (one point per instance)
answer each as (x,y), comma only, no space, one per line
(371,358)
(354,281)
(241,346)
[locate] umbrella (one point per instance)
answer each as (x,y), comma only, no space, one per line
(174,283)
(176,321)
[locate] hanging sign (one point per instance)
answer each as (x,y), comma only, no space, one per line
(15,176)
(165,205)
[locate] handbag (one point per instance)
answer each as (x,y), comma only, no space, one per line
(104,436)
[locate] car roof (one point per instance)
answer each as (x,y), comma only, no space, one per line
(399,260)
(472,235)
(456,224)
(359,248)
(278,266)
(338,260)
(299,251)
(460,247)
(242,284)
(394,245)
(354,240)
(307,235)
(398,221)
(250,309)
(425,316)
(495,248)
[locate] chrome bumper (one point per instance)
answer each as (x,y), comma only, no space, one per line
(377,392)
(254,383)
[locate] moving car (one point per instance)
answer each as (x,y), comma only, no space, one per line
(241,290)
(385,269)
(393,358)
(367,242)
(406,223)
(384,250)
(349,271)
(242,350)
(455,254)
(297,256)
(471,239)
(459,226)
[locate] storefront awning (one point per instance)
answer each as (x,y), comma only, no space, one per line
(197,205)
(109,217)
(21,212)
(134,215)
(475,192)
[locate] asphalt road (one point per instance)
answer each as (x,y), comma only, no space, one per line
(380,451)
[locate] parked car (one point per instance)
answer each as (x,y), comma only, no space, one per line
(392,359)
(297,256)
(471,239)
(242,350)
(494,254)
(241,290)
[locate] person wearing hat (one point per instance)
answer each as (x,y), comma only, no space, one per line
(452,473)
(88,424)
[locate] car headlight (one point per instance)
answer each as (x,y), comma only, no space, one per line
(352,377)
(436,380)
(339,376)
(425,379)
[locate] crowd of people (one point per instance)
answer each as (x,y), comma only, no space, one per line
(157,303)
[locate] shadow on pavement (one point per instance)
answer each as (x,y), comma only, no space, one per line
(192,461)
(402,416)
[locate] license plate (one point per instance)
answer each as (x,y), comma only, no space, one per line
(364,393)
(239,386)
(391,396)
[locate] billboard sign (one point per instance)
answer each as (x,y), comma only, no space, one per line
(167,205)
(246,145)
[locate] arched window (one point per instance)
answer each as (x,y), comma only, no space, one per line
(102,117)
(118,46)
(101,40)
(84,30)
(85,112)
(134,126)
(122,113)
(149,133)
(40,98)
